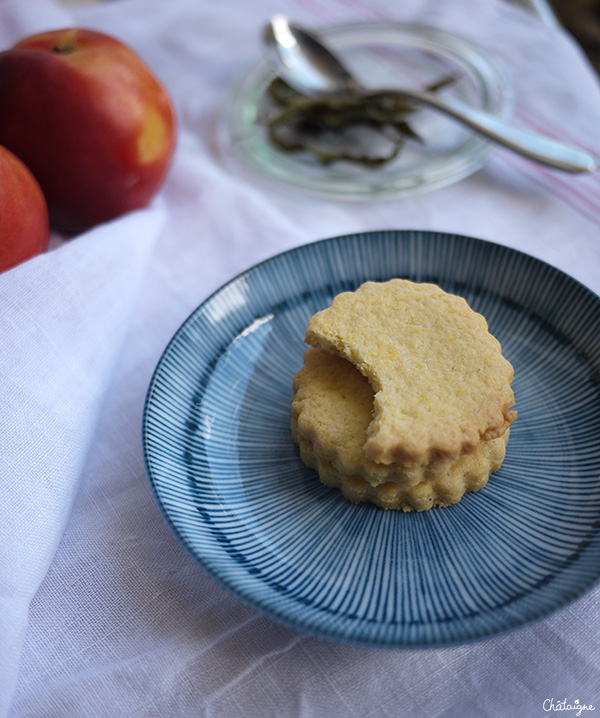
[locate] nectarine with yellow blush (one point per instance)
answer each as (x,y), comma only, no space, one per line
(23,213)
(90,120)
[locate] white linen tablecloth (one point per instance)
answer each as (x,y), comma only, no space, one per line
(102,613)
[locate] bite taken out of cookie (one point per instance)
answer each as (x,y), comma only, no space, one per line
(331,413)
(440,382)
(404,399)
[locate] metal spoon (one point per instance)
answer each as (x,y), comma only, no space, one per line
(309,67)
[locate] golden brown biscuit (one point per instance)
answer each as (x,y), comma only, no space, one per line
(331,413)
(332,409)
(470,473)
(441,383)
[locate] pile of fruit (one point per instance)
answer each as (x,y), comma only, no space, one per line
(87,133)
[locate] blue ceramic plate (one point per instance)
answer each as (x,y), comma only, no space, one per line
(228,479)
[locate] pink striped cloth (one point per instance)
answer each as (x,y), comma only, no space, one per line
(101,611)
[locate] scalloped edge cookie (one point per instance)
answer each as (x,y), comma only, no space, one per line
(441,492)
(441,383)
(331,411)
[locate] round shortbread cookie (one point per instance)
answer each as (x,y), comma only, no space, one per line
(441,383)
(441,492)
(331,413)
(332,409)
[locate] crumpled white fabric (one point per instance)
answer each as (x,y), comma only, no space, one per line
(102,613)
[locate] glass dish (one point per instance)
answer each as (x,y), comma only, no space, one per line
(380,55)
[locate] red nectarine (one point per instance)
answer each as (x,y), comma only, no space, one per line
(90,120)
(23,213)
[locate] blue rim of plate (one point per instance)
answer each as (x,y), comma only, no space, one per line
(229,482)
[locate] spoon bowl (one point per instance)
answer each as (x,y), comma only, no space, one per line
(304,61)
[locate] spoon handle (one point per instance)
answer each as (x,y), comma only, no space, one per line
(538,147)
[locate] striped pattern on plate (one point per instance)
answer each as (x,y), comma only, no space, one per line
(227,476)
